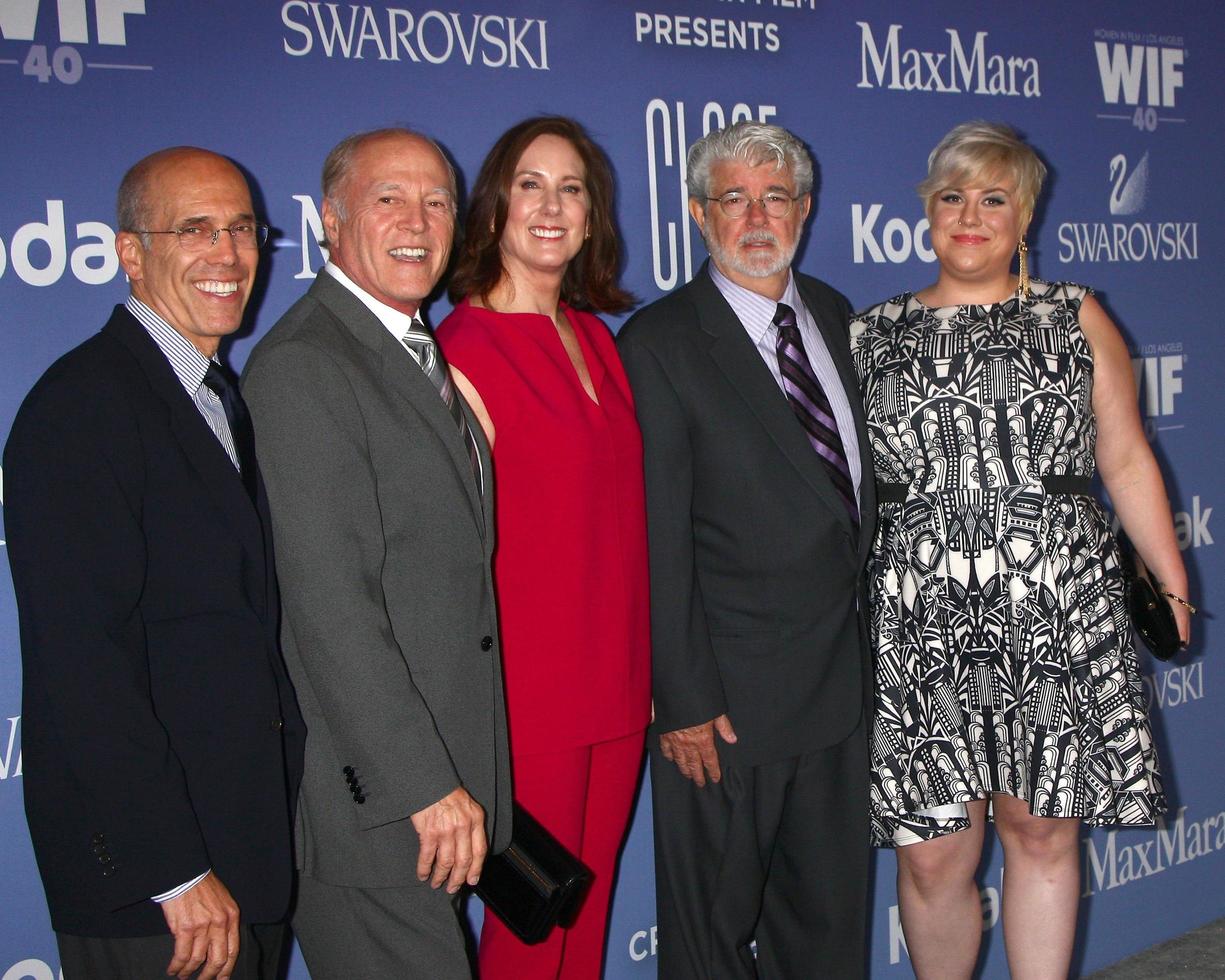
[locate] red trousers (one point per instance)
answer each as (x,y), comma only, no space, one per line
(583,796)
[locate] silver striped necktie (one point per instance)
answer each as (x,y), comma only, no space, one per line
(421,345)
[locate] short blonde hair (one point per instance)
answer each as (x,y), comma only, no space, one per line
(981,150)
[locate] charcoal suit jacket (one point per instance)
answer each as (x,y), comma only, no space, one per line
(756,565)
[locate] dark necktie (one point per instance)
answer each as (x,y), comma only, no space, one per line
(426,353)
(811,407)
(218,381)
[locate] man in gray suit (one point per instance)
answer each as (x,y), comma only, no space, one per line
(379,483)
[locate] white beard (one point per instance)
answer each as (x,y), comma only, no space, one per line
(762,268)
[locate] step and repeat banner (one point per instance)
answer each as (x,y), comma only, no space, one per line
(1123,100)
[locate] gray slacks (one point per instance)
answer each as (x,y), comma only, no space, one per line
(379,933)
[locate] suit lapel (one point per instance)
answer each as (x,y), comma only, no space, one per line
(403,375)
(201,447)
(741,363)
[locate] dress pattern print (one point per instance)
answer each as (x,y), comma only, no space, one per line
(1004,659)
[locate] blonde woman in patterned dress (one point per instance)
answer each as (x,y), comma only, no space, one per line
(1006,677)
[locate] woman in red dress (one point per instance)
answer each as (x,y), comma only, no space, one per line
(542,375)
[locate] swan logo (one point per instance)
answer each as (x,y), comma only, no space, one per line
(1128,241)
(1129,188)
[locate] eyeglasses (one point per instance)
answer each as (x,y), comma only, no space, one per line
(197,238)
(775,204)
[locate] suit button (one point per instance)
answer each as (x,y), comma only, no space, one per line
(276,725)
(347,770)
(486,642)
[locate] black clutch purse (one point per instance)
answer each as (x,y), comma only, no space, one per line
(1151,615)
(535,883)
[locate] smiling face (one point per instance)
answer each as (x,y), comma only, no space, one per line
(201,294)
(975,229)
(391,226)
(546,210)
(754,250)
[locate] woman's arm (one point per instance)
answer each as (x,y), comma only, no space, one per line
(1128,468)
(473,398)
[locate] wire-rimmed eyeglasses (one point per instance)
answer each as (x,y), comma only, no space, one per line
(197,238)
(776,204)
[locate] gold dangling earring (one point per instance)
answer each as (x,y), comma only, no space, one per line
(1023,269)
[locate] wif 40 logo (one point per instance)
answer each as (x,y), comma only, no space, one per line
(19,20)
(1140,71)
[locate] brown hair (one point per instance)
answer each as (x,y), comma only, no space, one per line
(590,280)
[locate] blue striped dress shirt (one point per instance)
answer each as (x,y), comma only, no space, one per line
(189,366)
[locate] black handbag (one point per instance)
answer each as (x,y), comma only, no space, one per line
(1151,615)
(535,883)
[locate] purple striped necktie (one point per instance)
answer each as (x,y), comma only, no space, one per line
(811,407)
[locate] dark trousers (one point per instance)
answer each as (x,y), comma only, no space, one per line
(261,947)
(776,853)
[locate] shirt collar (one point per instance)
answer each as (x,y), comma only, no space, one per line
(397,323)
(756,312)
(188,363)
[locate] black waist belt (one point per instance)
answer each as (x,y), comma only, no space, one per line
(895,493)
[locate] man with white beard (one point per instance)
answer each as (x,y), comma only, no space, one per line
(759,516)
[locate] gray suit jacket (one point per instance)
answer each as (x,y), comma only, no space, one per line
(383,548)
(756,568)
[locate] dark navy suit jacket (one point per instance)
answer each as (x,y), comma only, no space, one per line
(161,736)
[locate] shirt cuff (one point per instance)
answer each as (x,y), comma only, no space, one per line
(185,887)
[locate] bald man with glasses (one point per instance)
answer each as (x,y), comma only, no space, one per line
(161,737)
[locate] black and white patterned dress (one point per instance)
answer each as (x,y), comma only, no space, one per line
(1004,660)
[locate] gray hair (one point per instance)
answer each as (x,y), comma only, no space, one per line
(339,162)
(752,143)
(977,151)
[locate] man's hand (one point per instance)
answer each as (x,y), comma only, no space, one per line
(693,749)
(453,845)
(204,923)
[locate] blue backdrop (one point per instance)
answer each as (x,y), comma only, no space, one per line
(1122,99)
